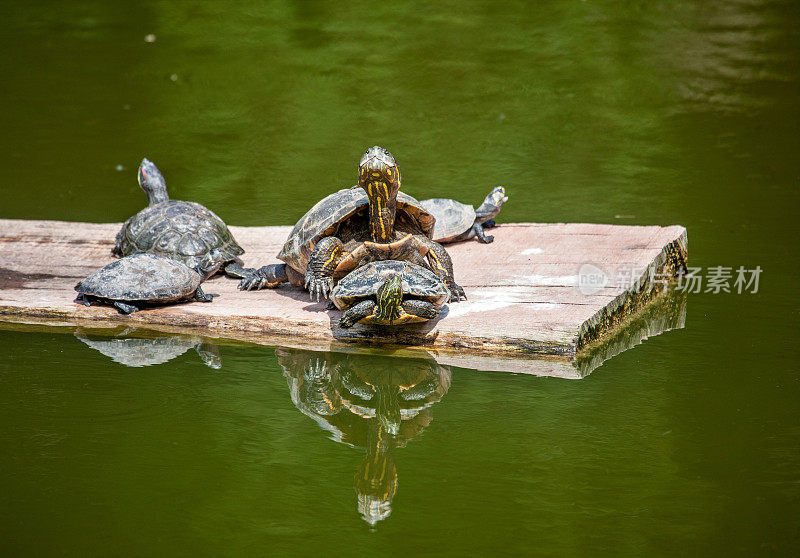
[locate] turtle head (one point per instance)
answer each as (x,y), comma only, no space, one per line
(210,263)
(376,486)
(491,204)
(390,296)
(152,182)
(379,176)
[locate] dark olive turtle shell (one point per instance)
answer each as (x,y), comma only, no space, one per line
(181,229)
(453,218)
(144,277)
(328,214)
(365,281)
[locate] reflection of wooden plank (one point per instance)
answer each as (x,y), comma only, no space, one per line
(523,289)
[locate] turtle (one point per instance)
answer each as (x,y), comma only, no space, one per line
(457,221)
(389,292)
(371,221)
(139,351)
(134,281)
(183,230)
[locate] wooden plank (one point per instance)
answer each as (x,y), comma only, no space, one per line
(523,289)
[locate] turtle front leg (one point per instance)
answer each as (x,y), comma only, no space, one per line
(83,299)
(420,308)
(419,391)
(269,276)
(441,264)
(125,308)
(322,263)
(116,251)
(209,354)
(236,269)
(477,229)
(200,296)
(357,313)
(490,224)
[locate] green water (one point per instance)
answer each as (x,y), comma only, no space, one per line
(597,111)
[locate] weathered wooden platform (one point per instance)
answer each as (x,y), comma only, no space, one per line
(527,291)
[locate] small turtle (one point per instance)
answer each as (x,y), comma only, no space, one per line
(183,230)
(133,281)
(369,222)
(456,221)
(389,292)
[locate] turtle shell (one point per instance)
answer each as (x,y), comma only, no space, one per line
(452,217)
(329,213)
(181,229)
(365,281)
(145,277)
(137,352)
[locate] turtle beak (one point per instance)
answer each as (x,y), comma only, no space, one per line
(147,172)
(380,155)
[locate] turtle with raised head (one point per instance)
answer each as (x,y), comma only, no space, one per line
(369,222)
(389,292)
(183,230)
(133,282)
(457,221)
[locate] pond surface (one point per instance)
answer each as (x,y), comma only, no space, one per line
(631,113)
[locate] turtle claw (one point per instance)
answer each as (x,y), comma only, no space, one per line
(318,287)
(456,293)
(250,283)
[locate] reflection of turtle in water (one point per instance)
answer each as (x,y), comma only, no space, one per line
(389,292)
(137,351)
(133,282)
(183,230)
(368,401)
(369,222)
(456,221)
